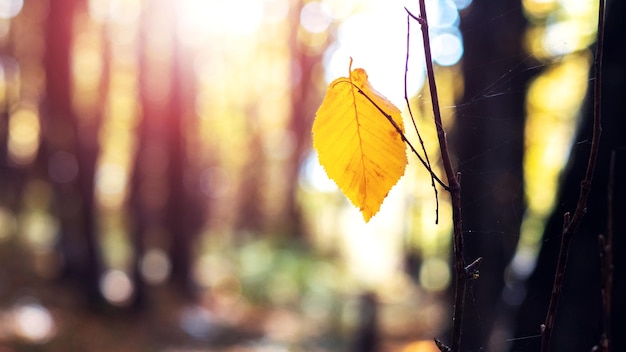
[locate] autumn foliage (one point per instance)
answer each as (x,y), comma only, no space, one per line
(358,146)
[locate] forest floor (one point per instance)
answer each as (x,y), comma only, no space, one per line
(41,315)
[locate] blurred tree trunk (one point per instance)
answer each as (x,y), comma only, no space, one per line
(250,215)
(366,336)
(161,201)
(488,142)
(147,194)
(303,99)
(578,322)
(11,178)
(184,211)
(66,147)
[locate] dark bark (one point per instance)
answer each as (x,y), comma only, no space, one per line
(579,318)
(11,178)
(488,142)
(183,210)
(148,189)
(74,198)
(366,336)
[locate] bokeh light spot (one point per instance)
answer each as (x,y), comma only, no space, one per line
(442,13)
(24,132)
(447,49)
(40,230)
(434,274)
(155,266)
(198,322)
(33,322)
(315,17)
(116,287)
(8,223)
(462,4)
(111,182)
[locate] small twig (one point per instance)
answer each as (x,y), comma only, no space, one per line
(571,224)
(473,269)
(441,346)
(408,105)
(454,187)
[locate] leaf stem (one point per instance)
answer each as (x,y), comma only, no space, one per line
(454,187)
(570,225)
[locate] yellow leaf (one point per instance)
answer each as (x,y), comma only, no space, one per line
(356,144)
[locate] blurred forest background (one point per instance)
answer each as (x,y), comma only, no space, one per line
(158,191)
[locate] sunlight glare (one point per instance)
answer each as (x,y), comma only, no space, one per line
(376,39)
(313,176)
(561,38)
(120,11)
(10,8)
(373,249)
(220,17)
(275,11)
(340,9)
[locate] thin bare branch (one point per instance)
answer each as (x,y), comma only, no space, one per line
(454,187)
(570,225)
(408,105)
(403,136)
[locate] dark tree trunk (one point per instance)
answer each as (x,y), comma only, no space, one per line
(579,321)
(11,178)
(182,209)
(488,142)
(147,190)
(66,146)
(366,336)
